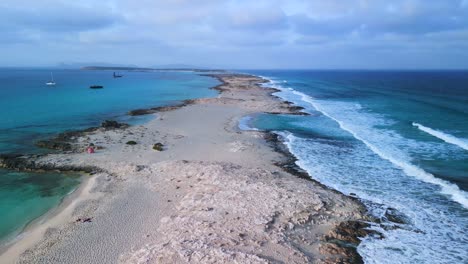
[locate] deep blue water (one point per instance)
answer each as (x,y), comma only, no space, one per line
(30,110)
(397,139)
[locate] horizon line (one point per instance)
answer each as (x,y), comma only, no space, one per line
(237,69)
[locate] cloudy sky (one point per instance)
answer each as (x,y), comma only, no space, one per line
(367,34)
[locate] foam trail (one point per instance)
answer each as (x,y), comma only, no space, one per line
(409,169)
(445,137)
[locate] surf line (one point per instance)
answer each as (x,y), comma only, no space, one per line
(443,136)
(409,169)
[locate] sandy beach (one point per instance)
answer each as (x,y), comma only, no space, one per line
(214,194)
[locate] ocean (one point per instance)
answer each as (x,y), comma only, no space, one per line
(398,140)
(30,111)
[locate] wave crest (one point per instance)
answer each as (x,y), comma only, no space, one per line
(443,136)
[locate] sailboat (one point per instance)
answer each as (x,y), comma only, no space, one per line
(51,82)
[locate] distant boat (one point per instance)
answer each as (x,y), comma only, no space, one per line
(51,82)
(117,75)
(96,87)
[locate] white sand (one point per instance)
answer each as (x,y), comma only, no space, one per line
(213,195)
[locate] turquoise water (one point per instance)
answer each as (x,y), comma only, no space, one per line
(397,140)
(26,196)
(30,110)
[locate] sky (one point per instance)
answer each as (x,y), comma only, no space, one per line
(237,34)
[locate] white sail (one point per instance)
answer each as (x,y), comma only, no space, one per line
(51,82)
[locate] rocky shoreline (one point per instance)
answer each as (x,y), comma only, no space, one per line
(69,141)
(339,244)
(344,238)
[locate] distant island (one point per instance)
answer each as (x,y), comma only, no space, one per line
(117,68)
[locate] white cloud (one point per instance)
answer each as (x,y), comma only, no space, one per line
(175,29)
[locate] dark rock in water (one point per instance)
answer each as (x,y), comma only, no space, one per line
(292,113)
(153,110)
(138,112)
(351,231)
(11,161)
(297,110)
(63,141)
(112,124)
(393,215)
(131,142)
(158,147)
(289,163)
(68,141)
(55,145)
(29,163)
(344,239)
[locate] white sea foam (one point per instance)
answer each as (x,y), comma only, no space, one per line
(447,188)
(381,170)
(462,143)
(355,168)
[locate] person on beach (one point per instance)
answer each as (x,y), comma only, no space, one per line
(90,149)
